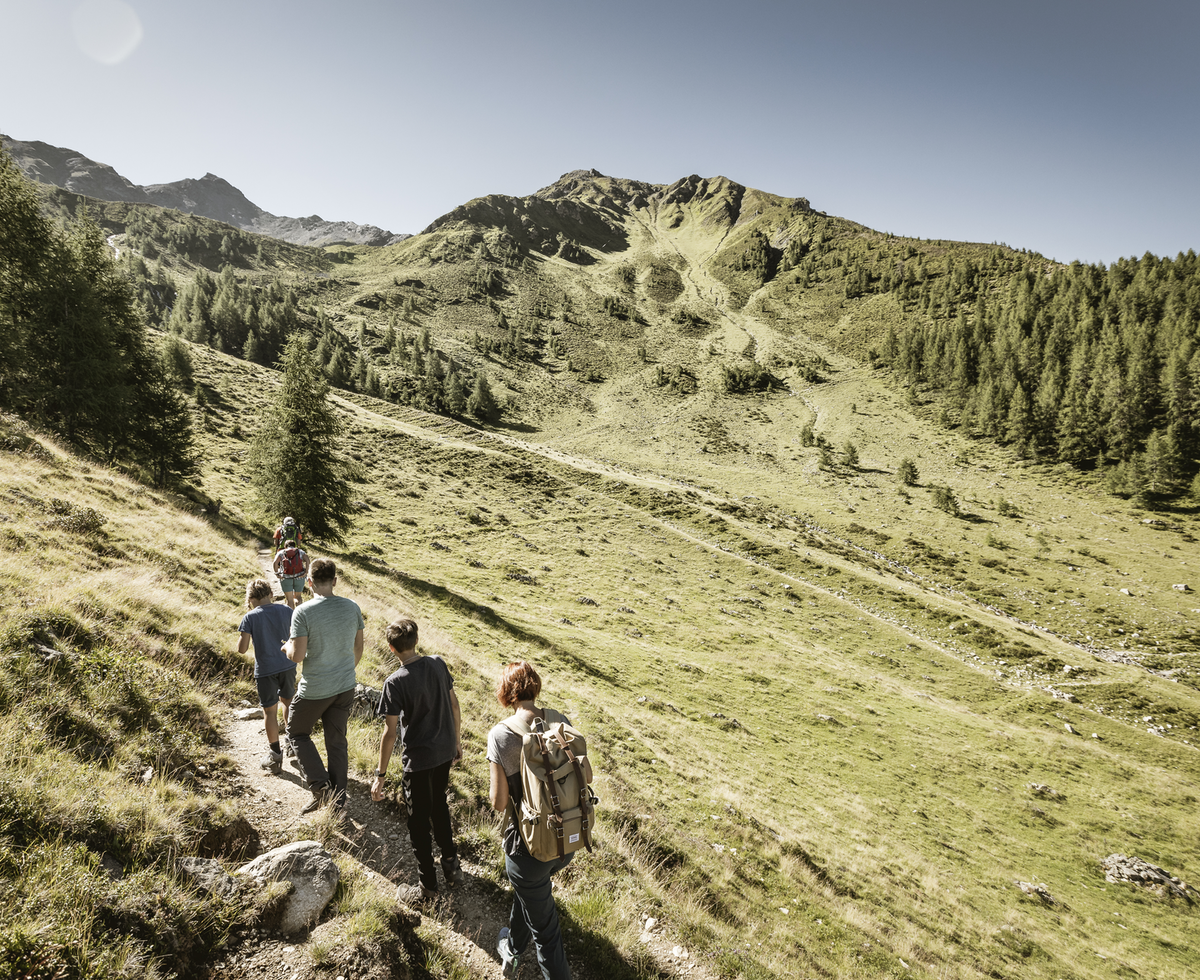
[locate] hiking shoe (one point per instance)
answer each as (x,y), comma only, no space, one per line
(415,894)
(286,745)
(272,760)
(453,875)
(321,795)
(510,959)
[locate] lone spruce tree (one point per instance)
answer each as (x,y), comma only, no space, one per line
(294,462)
(482,403)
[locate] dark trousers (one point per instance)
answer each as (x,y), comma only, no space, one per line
(425,796)
(534,914)
(334,715)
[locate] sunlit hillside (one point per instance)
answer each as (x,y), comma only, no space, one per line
(853,668)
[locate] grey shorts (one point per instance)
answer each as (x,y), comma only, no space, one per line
(292,583)
(273,687)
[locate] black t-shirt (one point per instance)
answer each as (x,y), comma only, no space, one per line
(419,694)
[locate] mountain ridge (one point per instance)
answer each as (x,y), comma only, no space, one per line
(209,196)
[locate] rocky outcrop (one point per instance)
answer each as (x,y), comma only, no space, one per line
(1118,867)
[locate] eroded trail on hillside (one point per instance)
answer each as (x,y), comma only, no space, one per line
(705,290)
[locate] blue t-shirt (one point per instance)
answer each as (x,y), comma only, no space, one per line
(419,694)
(331,624)
(269,626)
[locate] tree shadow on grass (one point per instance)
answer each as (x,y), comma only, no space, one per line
(466,606)
(598,957)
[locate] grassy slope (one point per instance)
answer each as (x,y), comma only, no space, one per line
(887,726)
(893,699)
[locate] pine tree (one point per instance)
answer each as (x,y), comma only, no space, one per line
(482,403)
(294,458)
(456,397)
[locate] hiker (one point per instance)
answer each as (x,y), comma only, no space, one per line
(269,625)
(534,914)
(327,638)
(291,565)
(289,530)
(419,699)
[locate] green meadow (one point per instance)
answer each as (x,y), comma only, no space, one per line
(835,721)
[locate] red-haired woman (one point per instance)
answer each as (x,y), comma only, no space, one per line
(534,914)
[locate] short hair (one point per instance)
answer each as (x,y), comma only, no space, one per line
(519,682)
(258,588)
(322,570)
(402,634)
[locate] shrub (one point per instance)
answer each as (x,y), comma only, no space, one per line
(944,500)
(907,473)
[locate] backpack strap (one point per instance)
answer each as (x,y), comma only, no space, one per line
(557,734)
(555,805)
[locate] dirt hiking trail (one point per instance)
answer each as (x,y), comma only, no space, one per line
(465,920)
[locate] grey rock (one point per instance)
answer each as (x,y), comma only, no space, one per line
(312,873)
(366,700)
(114,868)
(208,876)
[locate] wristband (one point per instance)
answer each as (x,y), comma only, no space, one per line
(380,775)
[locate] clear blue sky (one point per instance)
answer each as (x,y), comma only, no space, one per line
(1069,128)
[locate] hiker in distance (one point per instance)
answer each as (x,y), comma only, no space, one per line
(533,916)
(289,530)
(291,565)
(269,625)
(418,700)
(327,638)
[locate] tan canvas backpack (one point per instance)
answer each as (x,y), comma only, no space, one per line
(557,811)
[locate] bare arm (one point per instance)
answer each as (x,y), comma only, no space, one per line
(454,708)
(243,642)
(498,788)
(297,647)
(358,647)
(387,742)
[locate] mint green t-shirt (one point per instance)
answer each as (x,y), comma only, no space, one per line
(331,624)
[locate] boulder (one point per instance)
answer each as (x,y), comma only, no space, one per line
(208,876)
(313,876)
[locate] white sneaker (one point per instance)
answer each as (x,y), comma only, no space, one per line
(510,959)
(272,760)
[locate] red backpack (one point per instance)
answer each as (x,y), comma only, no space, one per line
(293,562)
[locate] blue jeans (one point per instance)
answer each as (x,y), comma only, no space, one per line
(534,914)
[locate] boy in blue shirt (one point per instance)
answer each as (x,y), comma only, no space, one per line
(269,625)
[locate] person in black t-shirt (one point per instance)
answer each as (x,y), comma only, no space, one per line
(418,703)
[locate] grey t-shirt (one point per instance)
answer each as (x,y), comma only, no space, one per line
(331,624)
(418,693)
(504,749)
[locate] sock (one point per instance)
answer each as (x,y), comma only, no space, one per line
(274,746)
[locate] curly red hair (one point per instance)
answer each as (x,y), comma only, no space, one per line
(519,682)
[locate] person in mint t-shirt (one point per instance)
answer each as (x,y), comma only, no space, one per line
(327,641)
